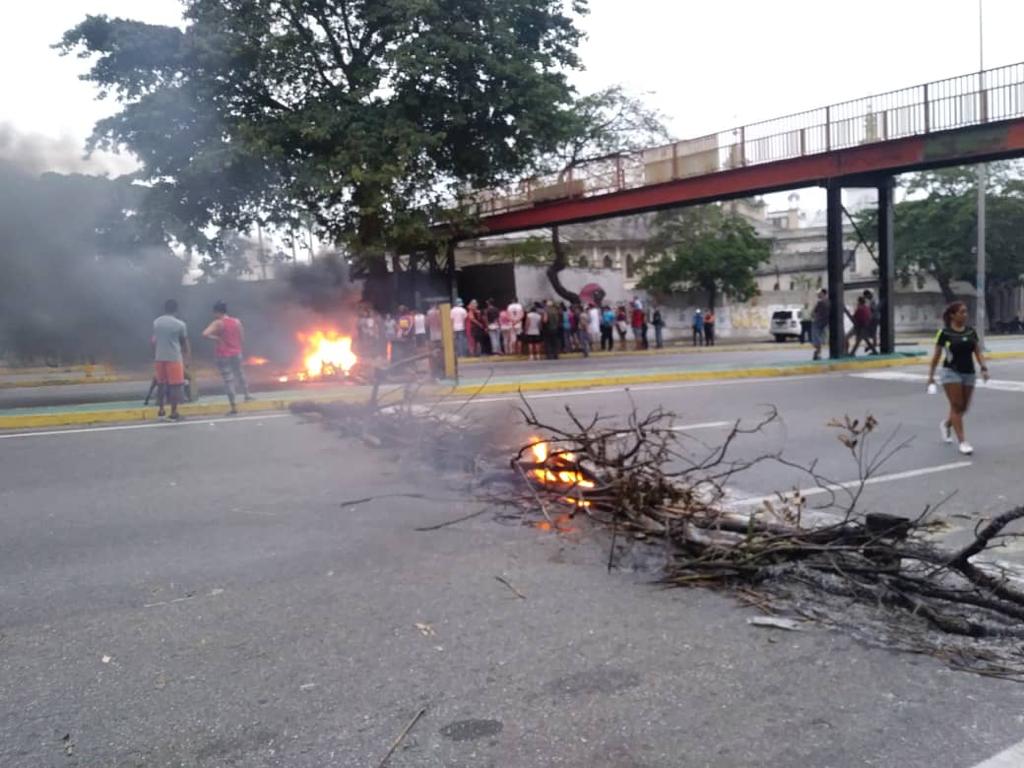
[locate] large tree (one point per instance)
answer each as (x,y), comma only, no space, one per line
(704,248)
(368,115)
(597,131)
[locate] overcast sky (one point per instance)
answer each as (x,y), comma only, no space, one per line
(707,66)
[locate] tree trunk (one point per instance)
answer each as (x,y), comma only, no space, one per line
(561,261)
(712,291)
(945,286)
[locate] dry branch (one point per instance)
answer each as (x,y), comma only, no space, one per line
(635,476)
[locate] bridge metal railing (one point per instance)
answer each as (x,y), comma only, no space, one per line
(957,102)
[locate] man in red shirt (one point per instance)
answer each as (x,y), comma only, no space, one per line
(637,322)
(229,334)
(862,325)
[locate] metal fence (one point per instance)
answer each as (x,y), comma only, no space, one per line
(957,102)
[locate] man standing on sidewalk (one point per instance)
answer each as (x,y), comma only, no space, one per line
(658,322)
(594,322)
(698,328)
(229,334)
(552,330)
(171,351)
(709,328)
(805,324)
(819,322)
(516,314)
(458,315)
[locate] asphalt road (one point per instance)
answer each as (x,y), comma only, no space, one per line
(196,595)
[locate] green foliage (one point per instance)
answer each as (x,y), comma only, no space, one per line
(534,251)
(366,114)
(704,248)
(602,124)
(936,226)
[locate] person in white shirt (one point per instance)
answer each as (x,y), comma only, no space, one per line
(531,335)
(594,317)
(516,314)
(458,315)
(419,325)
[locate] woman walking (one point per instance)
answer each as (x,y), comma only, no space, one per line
(958,344)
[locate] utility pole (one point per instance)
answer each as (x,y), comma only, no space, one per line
(982,171)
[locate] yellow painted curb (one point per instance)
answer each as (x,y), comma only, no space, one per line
(69,418)
(684,350)
(678,376)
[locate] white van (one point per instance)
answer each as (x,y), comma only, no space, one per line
(785,324)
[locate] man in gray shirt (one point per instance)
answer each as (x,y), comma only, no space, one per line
(170,342)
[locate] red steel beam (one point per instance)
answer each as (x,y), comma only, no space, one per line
(963,145)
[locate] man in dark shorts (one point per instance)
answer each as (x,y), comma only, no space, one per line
(171,351)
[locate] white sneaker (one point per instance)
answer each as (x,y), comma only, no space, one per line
(966,448)
(946,430)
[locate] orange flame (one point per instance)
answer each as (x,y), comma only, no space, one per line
(254,360)
(542,455)
(326,352)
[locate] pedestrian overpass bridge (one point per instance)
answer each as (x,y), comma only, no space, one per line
(971,118)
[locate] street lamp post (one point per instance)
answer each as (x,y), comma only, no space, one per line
(982,177)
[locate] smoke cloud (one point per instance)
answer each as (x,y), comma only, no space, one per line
(80,277)
(35,153)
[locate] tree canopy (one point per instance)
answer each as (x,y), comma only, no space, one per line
(368,115)
(936,226)
(704,248)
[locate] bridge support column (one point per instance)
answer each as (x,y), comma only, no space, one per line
(834,227)
(886,267)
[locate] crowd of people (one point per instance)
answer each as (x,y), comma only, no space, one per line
(534,330)
(539,329)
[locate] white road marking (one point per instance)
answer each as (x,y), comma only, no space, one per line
(1009,758)
(153,425)
(704,425)
(632,388)
(816,491)
(1001,385)
(890,376)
